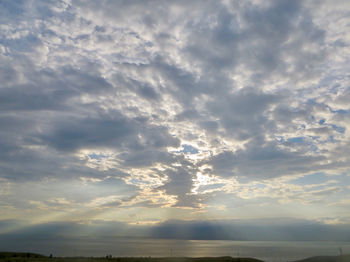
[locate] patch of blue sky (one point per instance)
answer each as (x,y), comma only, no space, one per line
(335,88)
(296,139)
(311,101)
(314,148)
(315,178)
(138,181)
(209,187)
(340,111)
(280,139)
(330,139)
(188,149)
(343,178)
(339,129)
(97,156)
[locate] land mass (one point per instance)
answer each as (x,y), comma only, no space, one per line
(345,258)
(32,257)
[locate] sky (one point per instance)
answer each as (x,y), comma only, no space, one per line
(225,119)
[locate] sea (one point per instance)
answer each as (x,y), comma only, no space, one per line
(269,251)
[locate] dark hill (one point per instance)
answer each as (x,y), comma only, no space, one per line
(19,255)
(345,258)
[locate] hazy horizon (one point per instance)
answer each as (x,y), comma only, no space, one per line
(269,251)
(276,229)
(197,119)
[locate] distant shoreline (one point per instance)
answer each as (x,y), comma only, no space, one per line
(33,257)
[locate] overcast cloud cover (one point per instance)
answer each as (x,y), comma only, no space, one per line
(141,112)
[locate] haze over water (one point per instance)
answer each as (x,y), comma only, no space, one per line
(270,251)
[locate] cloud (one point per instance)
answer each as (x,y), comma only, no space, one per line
(172,104)
(266,161)
(180,184)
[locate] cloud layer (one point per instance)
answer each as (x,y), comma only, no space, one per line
(140,112)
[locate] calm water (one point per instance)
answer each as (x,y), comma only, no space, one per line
(266,250)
